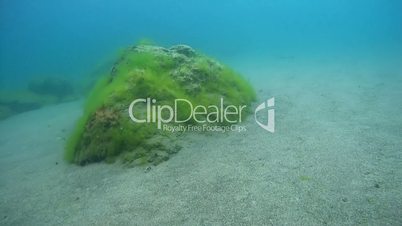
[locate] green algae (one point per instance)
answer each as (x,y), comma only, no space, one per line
(105,130)
(304,178)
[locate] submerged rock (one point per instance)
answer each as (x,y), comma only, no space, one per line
(52,86)
(106,132)
(39,92)
(17,101)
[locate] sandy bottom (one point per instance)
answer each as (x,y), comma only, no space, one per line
(335,159)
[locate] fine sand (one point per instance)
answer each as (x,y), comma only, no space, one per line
(334,159)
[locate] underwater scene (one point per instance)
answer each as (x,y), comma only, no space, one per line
(228,112)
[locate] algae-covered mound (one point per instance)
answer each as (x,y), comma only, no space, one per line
(106,131)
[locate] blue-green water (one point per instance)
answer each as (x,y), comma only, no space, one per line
(333,67)
(70,38)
